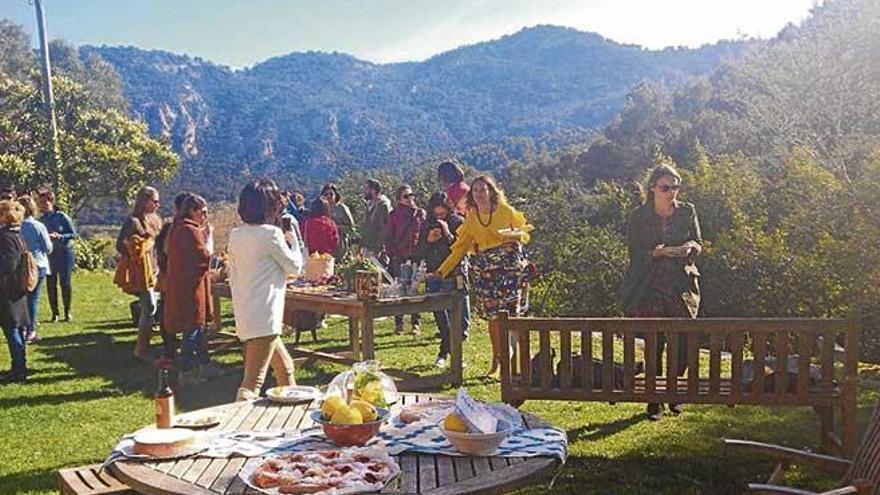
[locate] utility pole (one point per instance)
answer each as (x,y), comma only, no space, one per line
(54,159)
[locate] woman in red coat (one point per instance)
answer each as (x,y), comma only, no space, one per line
(188,302)
(319,230)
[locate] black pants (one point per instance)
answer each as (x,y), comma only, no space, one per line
(62,270)
(656,306)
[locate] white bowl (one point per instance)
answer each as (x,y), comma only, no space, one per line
(475,443)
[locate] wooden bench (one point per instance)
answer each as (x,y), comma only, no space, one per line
(90,480)
(608,367)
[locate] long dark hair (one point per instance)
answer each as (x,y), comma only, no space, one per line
(450,172)
(439,199)
(151,221)
(660,171)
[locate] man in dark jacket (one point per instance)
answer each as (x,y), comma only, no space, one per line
(14,316)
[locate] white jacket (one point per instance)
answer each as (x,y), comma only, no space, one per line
(259,261)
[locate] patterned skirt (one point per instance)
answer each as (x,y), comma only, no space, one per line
(501,278)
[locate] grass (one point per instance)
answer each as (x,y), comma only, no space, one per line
(86,390)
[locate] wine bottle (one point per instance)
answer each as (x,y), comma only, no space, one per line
(164,402)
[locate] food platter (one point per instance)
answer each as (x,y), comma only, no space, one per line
(293,394)
(329,472)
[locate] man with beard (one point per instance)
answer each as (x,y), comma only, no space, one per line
(375,219)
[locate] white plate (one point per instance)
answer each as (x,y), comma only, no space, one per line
(128,451)
(511,232)
(197,422)
(293,394)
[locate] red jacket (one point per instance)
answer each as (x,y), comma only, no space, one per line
(188,302)
(402,231)
(320,235)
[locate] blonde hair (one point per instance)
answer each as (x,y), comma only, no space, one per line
(151,221)
(11,213)
(30,205)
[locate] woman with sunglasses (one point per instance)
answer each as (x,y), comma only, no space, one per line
(188,303)
(401,238)
(664,240)
(136,273)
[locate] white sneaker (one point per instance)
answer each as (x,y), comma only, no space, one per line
(440,362)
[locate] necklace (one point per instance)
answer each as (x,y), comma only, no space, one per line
(479,219)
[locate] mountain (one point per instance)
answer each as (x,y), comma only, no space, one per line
(315,115)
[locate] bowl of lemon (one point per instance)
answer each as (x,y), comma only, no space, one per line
(349,423)
(467,442)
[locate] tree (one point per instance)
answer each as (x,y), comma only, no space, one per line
(106,155)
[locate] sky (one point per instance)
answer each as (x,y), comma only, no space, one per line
(241,33)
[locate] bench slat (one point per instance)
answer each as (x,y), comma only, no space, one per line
(650,361)
(714,362)
(565,361)
(759,348)
(781,344)
(607,361)
(587,353)
(805,353)
(546,362)
(672,339)
(693,361)
(629,359)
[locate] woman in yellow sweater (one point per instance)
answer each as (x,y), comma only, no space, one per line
(495,232)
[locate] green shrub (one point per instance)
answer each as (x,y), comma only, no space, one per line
(93,253)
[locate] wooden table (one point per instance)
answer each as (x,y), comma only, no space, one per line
(420,473)
(360,328)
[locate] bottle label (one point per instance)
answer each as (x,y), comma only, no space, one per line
(164,412)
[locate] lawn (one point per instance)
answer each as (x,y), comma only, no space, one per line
(86,390)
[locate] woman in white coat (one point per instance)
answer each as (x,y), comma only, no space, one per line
(260,258)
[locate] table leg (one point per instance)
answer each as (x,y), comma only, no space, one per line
(354,337)
(367,334)
(455,338)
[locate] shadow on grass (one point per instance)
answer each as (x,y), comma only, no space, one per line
(637,474)
(29,481)
(42,400)
(594,432)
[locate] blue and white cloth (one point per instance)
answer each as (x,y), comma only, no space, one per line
(425,436)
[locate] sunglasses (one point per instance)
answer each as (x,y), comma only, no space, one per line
(667,188)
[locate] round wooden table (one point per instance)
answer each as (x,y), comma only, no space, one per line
(420,473)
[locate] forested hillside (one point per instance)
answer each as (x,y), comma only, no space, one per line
(317,115)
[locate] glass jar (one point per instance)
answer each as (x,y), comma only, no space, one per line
(365,382)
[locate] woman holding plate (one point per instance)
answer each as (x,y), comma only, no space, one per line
(495,232)
(664,239)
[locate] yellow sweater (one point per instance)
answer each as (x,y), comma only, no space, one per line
(473,234)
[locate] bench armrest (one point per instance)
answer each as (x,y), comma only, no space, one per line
(827,462)
(765,489)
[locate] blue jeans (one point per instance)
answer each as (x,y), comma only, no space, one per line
(193,350)
(15,338)
(147,301)
(33,301)
(442,319)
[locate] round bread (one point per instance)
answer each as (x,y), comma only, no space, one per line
(164,442)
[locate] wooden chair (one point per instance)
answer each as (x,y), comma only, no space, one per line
(860,476)
(90,480)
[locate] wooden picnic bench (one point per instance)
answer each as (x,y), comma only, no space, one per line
(596,359)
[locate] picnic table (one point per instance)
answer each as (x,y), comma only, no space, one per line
(360,328)
(420,473)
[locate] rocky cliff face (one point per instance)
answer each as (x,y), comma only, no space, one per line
(315,114)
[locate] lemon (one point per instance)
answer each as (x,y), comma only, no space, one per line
(454,423)
(347,416)
(331,405)
(368,412)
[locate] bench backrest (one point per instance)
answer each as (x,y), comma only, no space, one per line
(866,463)
(597,359)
